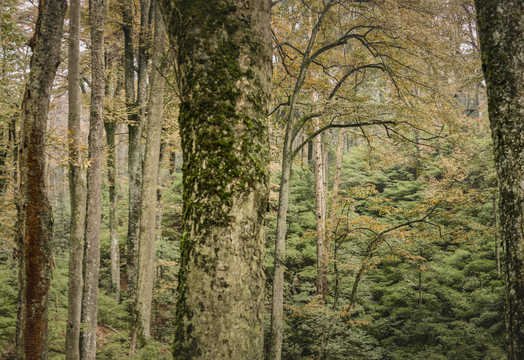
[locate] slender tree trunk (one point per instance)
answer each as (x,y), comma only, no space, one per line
(35,221)
(135,159)
(133,165)
(97,15)
(501,32)
(225,72)
(320,212)
(159,206)
(336,185)
(112,169)
(77,189)
(277,306)
(149,186)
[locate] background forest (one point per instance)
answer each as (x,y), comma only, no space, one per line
(378,119)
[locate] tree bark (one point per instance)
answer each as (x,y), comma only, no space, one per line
(35,221)
(225,75)
(146,259)
(501,31)
(88,337)
(77,189)
(320,212)
(112,169)
(133,164)
(277,305)
(336,185)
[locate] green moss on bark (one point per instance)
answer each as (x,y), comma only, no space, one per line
(225,72)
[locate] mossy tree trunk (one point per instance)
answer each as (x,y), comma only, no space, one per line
(501,31)
(77,188)
(35,220)
(153,130)
(224,64)
(88,336)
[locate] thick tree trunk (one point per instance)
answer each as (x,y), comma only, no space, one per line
(149,201)
(225,73)
(35,220)
(320,212)
(77,189)
(97,15)
(112,169)
(501,31)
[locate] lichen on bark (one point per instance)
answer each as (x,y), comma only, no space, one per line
(224,63)
(501,33)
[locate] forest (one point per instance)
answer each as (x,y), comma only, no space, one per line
(262,179)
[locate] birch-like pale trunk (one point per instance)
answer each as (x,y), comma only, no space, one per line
(320,214)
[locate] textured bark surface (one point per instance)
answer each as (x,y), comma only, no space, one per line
(153,130)
(35,219)
(77,189)
(225,74)
(133,164)
(277,305)
(138,111)
(114,250)
(320,213)
(97,15)
(336,186)
(501,31)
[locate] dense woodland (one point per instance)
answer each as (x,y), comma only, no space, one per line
(295,179)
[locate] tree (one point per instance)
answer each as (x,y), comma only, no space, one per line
(77,189)
(224,64)
(501,29)
(136,117)
(35,219)
(149,203)
(97,15)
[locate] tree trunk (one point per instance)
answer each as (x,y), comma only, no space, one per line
(133,164)
(501,31)
(159,205)
(35,221)
(77,189)
(320,212)
(112,169)
(146,259)
(225,75)
(334,191)
(88,337)
(277,306)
